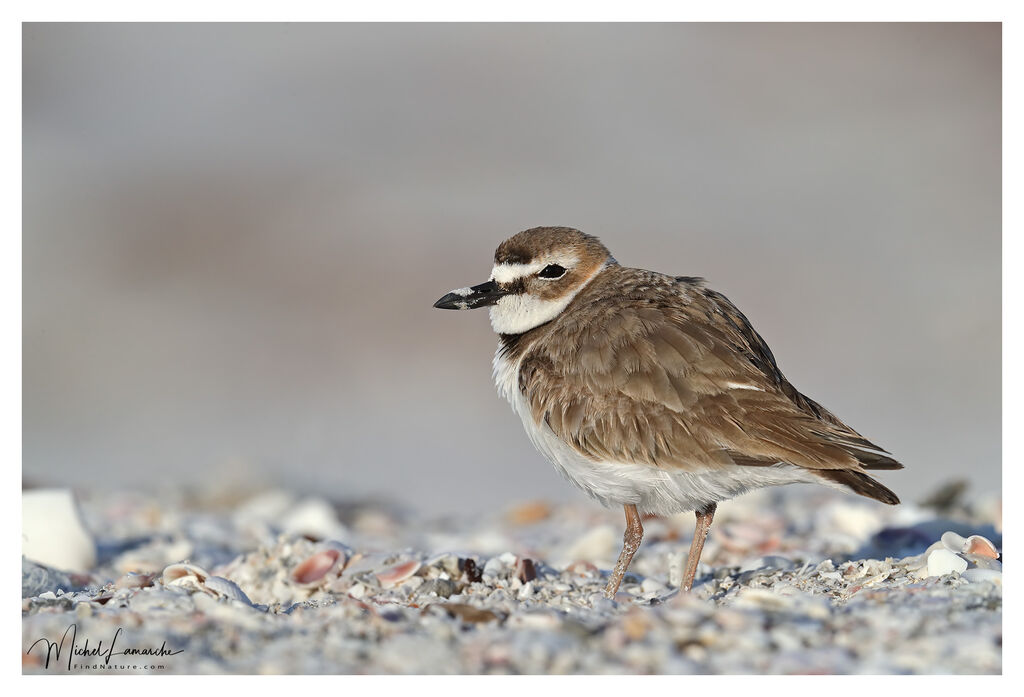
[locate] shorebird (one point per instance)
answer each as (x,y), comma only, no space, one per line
(652,392)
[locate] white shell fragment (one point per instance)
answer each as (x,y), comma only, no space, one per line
(953,542)
(954,552)
(197,580)
(221,587)
(942,562)
(52,531)
(183,574)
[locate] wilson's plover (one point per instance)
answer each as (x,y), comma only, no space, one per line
(652,392)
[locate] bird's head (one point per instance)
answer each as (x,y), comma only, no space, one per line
(536,275)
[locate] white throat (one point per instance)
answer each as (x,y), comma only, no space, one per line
(515,314)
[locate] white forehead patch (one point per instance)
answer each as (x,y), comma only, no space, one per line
(506,273)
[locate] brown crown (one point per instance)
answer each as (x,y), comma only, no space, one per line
(525,246)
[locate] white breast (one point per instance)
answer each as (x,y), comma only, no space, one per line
(651,489)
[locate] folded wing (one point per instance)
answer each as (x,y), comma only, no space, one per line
(676,377)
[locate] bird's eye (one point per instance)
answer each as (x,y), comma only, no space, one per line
(551,271)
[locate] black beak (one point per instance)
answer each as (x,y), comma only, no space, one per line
(468,298)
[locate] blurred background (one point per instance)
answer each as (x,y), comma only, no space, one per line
(233,235)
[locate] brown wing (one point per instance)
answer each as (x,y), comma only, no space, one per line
(674,376)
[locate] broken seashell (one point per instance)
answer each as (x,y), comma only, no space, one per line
(198,580)
(975,544)
(494,567)
(52,531)
(220,587)
(917,566)
(942,562)
(184,574)
(445,563)
(394,575)
(982,546)
(360,563)
(953,542)
(326,562)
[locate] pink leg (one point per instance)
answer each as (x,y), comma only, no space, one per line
(704,519)
(630,543)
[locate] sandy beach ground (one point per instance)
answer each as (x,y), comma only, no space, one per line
(793,580)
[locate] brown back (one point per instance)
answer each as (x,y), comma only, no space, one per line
(646,368)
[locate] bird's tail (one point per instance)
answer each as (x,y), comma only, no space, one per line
(860,483)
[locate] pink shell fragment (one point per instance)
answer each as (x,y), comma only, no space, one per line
(313,569)
(976,544)
(394,575)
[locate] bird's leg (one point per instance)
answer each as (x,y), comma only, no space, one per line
(704,519)
(630,543)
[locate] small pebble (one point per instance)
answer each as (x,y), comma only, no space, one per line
(493,567)
(440,587)
(650,585)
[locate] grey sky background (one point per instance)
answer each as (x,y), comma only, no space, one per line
(233,235)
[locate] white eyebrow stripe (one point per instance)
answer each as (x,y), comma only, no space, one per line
(506,273)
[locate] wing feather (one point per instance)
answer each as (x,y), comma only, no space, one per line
(674,376)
